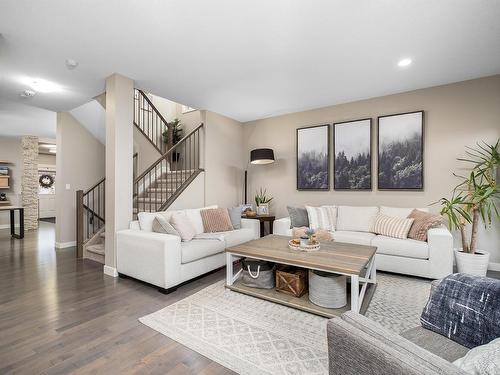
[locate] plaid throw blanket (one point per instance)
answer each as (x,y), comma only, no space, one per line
(464,308)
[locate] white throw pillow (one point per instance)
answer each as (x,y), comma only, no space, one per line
(146,220)
(323,217)
(183,226)
(392,226)
(481,360)
(357,219)
(402,212)
(193,214)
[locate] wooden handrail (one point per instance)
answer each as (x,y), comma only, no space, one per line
(85,192)
(152,106)
(168,152)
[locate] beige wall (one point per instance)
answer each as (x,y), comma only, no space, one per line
(80,163)
(456,116)
(10,150)
(224,160)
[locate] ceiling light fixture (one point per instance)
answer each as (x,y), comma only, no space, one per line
(28,94)
(71,64)
(404,62)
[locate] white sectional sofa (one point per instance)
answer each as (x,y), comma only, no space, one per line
(432,259)
(166,261)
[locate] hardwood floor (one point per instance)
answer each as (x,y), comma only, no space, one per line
(59,315)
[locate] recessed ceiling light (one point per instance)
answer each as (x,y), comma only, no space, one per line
(404,62)
(71,64)
(28,94)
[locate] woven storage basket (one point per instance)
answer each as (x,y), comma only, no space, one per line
(291,281)
(327,289)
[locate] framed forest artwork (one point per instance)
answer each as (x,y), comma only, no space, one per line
(313,158)
(401,151)
(352,155)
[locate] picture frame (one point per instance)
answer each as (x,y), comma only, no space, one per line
(313,157)
(400,151)
(352,155)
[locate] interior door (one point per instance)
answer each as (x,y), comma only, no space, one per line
(46,205)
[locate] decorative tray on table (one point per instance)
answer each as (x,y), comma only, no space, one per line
(297,246)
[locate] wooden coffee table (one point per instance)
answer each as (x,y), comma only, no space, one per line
(355,261)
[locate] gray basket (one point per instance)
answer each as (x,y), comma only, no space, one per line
(257,274)
(327,289)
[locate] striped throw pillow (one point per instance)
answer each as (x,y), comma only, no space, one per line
(216,220)
(323,217)
(391,226)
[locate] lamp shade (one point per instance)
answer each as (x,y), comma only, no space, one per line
(262,156)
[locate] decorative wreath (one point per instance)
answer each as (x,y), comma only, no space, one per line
(46,181)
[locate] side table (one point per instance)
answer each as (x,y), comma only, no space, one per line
(262,219)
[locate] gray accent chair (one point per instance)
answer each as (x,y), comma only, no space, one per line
(358,345)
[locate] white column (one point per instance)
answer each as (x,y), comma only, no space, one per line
(119,152)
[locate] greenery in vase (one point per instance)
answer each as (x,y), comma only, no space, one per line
(476,197)
(310,233)
(177,131)
(262,198)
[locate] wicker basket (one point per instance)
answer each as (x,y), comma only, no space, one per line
(327,289)
(291,281)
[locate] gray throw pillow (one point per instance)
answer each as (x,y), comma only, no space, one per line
(298,217)
(235,216)
(161,225)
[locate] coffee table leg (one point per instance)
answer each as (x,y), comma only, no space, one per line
(229,269)
(355,293)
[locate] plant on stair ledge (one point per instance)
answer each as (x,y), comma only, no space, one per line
(475,198)
(175,128)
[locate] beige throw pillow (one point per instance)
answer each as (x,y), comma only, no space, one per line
(321,234)
(323,217)
(161,225)
(183,226)
(216,220)
(423,221)
(391,226)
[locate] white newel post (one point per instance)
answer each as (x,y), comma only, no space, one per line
(119,152)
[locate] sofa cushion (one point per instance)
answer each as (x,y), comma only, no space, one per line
(238,236)
(235,216)
(321,234)
(401,212)
(146,218)
(193,214)
(162,225)
(483,359)
(323,217)
(392,226)
(216,220)
(405,248)
(435,343)
(183,226)
(198,249)
(298,217)
(359,238)
(358,219)
(423,221)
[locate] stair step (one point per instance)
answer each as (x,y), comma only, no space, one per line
(162,189)
(96,249)
(152,199)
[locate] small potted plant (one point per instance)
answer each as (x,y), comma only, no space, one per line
(475,199)
(177,134)
(262,202)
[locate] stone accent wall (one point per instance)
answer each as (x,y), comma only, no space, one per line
(29,182)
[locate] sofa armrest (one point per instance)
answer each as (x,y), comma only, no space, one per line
(282,226)
(252,224)
(440,242)
(151,257)
(134,225)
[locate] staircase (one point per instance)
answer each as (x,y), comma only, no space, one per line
(154,190)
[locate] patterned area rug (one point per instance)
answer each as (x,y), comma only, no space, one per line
(252,336)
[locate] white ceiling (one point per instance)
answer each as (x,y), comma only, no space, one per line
(17,119)
(246,59)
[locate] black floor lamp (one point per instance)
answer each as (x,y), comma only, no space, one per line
(258,156)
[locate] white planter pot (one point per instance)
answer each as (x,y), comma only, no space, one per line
(473,264)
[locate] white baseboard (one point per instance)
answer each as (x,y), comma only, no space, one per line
(494,266)
(62,245)
(110,271)
(7,226)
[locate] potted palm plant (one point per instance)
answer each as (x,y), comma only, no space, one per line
(475,199)
(177,134)
(262,202)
